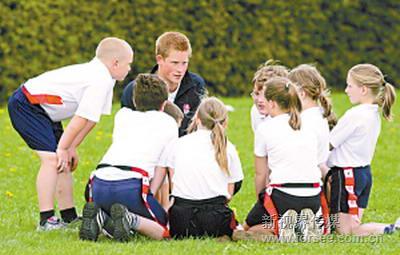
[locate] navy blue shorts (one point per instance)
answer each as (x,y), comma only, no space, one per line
(363,184)
(33,124)
(129,193)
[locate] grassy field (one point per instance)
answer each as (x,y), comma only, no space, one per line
(18,202)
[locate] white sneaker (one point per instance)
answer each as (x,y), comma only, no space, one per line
(308,226)
(52,223)
(287,225)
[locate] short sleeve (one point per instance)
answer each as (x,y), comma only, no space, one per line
(234,165)
(166,154)
(260,145)
(96,99)
(169,155)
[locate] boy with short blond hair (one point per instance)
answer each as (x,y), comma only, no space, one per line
(82,92)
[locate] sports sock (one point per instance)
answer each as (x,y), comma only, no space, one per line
(133,220)
(45,215)
(389,229)
(101,218)
(68,215)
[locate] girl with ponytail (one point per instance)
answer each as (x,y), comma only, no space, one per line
(286,156)
(353,140)
(317,115)
(205,167)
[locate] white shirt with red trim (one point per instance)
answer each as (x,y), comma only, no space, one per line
(292,154)
(312,120)
(355,136)
(197,174)
(139,138)
(86,90)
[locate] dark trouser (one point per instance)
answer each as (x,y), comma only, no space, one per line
(129,193)
(197,218)
(283,202)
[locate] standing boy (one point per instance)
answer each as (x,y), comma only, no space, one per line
(82,92)
(185,88)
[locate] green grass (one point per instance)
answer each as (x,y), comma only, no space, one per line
(19,212)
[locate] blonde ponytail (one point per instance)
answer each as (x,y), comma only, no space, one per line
(294,108)
(219,141)
(372,77)
(310,80)
(213,115)
(388,99)
(283,92)
(328,112)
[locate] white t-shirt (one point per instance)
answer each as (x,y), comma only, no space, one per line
(355,136)
(197,174)
(257,118)
(138,140)
(313,121)
(292,155)
(172,96)
(86,90)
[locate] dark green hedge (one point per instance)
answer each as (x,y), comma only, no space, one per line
(229,38)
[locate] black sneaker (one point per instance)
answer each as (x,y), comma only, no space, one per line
(90,228)
(108,226)
(119,215)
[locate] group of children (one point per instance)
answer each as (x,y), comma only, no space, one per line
(297,145)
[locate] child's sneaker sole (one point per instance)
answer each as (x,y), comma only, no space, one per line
(121,225)
(89,229)
(287,225)
(310,231)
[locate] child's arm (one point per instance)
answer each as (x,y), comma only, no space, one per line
(73,130)
(261,174)
(77,141)
(158,179)
(231,190)
(324,170)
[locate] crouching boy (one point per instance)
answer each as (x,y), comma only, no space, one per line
(119,188)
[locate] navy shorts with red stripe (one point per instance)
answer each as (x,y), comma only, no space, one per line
(33,124)
(127,192)
(362,189)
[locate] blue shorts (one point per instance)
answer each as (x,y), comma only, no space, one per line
(33,124)
(362,189)
(129,193)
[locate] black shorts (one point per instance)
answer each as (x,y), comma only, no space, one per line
(362,188)
(198,218)
(283,202)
